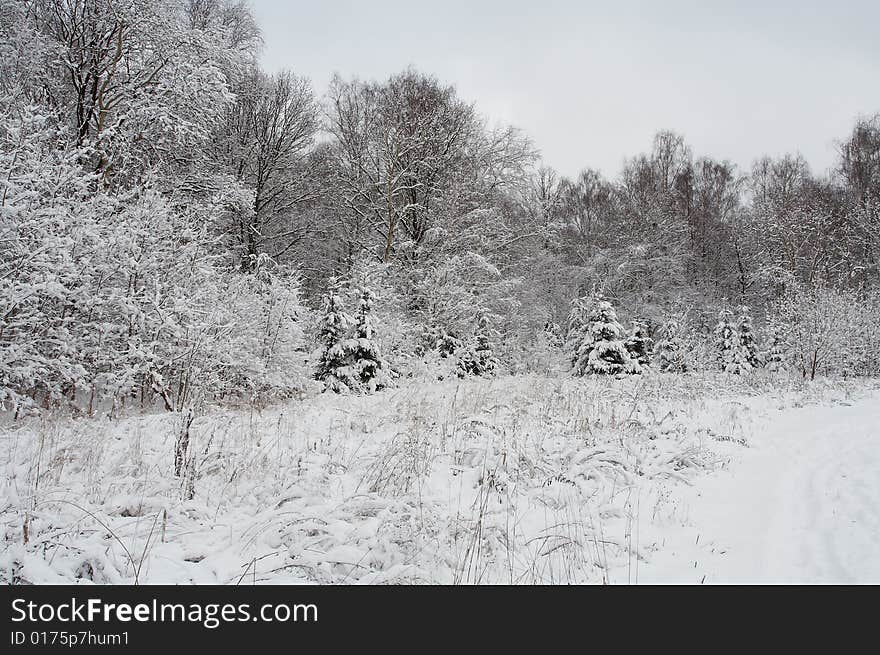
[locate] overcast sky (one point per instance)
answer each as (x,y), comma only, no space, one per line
(591,82)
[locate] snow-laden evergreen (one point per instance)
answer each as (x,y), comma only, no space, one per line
(578,327)
(369,366)
(445,343)
(668,352)
(333,366)
(639,343)
(730,355)
(749,351)
(777,354)
(479,357)
(603,346)
(350,359)
(551,335)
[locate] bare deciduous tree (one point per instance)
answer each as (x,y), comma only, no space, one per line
(266,139)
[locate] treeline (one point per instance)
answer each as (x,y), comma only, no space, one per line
(171,217)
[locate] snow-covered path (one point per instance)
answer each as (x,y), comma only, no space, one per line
(802,504)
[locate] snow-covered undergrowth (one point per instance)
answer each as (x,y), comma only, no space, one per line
(521,479)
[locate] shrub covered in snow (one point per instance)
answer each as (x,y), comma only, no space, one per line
(114,296)
(831,331)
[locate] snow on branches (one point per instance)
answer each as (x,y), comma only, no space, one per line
(350,358)
(600,341)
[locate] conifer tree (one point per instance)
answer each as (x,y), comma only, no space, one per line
(639,344)
(749,352)
(776,354)
(334,365)
(366,358)
(578,327)
(603,348)
(551,334)
(480,359)
(444,342)
(668,350)
(729,353)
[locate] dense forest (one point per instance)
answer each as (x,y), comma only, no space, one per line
(178,226)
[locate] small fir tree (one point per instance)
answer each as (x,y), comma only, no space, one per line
(334,365)
(367,361)
(444,342)
(777,354)
(603,348)
(578,327)
(728,351)
(480,359)
(668,350)
(749,353)
(551,334)
(639,344)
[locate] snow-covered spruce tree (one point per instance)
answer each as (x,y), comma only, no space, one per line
(578,327)
(551,334)
(479,357)
(639,344)
(603,349)
(334,367)
(668,353)
(729,354)
(445,343)
(777,354)
(366,358)
(748,346)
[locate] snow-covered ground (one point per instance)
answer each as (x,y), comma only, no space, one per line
(802,505)
(522,479)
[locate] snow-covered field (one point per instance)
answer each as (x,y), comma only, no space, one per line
(801,506)
(521,479)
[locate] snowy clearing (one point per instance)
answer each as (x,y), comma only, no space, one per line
(516,480)
(801,506)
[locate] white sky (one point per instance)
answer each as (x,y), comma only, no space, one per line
(591,82)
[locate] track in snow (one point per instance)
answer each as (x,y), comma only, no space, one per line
(801,505)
